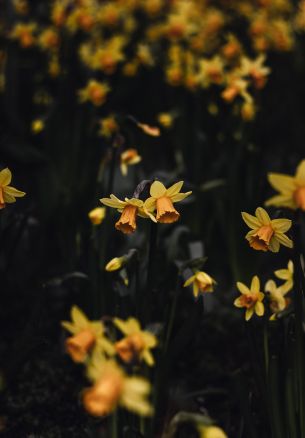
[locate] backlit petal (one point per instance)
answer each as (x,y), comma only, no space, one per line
(157,189)
(259,308)
(255,284)
(262,216)
(300,172)
(250,220)
(174,189)
(5,177)
(281,225)
(243,289)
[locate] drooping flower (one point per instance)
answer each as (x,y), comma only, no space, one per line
(250,299)
(202,283)
(278,302)
(162,199)
(88,337)
(267,234)
(287,275)
(291,189)
(130,209)
(136,344)
(97,215)
(8,194)
(115,264)
(129,158)
(112,388)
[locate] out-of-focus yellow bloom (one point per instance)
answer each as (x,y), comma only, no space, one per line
(248,111)
(255,69)
(97,215)
(8,194)
(211,432)
(153,7)
(88,337)
(58,13)
(108,126)
(112,388)
(236,86)
(266,234)
(166,120)
(37,126)
(291,188)
(24,33)
(95,92)
(251,299)
(21,7)
(202,283)
(232,49)
(131,68)
(144,55)
(129,157)
(137,343)
(109,14)
(211,71)
(54,66)
(49,39)
(153,131)
(278,302)
(287,275)
(129,209)
(108,54)
(162,199)
(115,264)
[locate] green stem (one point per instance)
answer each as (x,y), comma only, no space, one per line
(171,318)
(114,425)
(266,346)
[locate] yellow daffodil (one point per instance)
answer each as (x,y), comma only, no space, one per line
(95,92)
(97,215)
(278,302)
(49,39)
(211,432)
(129,158)
(115,264)
(112,388)
(255,69)
(251,299)
(37,126)
(108,126)
(24,33)
(291,189)
(287,275)
(266,234)
(88,337)
(130,208)
(8,194)
(162,200)
(202,283)
(166,120)
(136,344)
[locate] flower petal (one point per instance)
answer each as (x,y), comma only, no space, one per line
(262,216)
(300,172)
(259,308)
(189,281)
(13,192)
(174,189)
(243,289)
(283,200)
(5,177)
(250,220)
(255,284)
(157,189)
(270,286)
(282,182)
(281,225)
(249,313)
(274,244)
(180,196)
(284,240)
(78,317)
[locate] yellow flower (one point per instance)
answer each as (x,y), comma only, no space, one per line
(291,188)
(97,215)
(88,336)
(251,299)
(37,126)
(165,120)
(137,343)
(8,194)
(153,131)
(202,282)
(278,302)
(112,387)
(108,126)
(286,274)
(24,33)
(162,200)
(255,69)
(211,432)
(115,264)
(267,234)
(49,39)
(129,208)
(95,92)
(129,158)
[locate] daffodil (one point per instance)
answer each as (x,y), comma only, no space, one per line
(129,158)
(37,126)
(115,264)
(267,234)
(95,92)
(287,275)
(88,337)
(251,299)
(97,215)
(112,388)
(202,283)
(162,200)
(108,126)
(291,189)
(153,131)
(211,432)
(136,344)
(278,302)
(8,194)
(129,208)
(24,33)
(166,120)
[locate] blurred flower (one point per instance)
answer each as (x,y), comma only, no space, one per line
(251,299)
(88,337)
(248,111)
(291,188)
(278,302)
(129,158)
(236,86)
(8,194)
(37,126)
(255,69)
(129,208)
(97,215)
(21,7)
(211,71)
(162,200)
(153,131)
(287,275)
(115,264)
(136,344)
(232,48)
(95,92)
(108,126)
(202,282)
(211,432)
(24,33)
(112,387)
(266,234)
(165,120)
(49,39)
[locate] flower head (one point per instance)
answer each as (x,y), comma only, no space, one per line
(24,33)
(287,275)
(202,283)
(266,234)
(291,189)
(166,120)
(115,264)
(8,194)
(211,432)
(278,302)
(88,336)
(108,126)
(129,158)
(136,344)
(37,126)
(162,199)
(95,92)
(112,387)
(251,299)
(97,215)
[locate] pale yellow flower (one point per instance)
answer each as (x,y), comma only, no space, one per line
(8,194)
(291,189)
(267,234)
(24,33)
(202,283)
(255,69)
(108,126)
(129,157)
(97,215)
(278,302)
(162,200)
(136,344)
(250,299)
(115,264)
(211,432)
(287,275)
(95,92)
(88,337)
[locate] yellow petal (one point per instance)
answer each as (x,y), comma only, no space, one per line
(270,286)
(281,225)
(113,203)
(255,284)
(180,196)
(274,244)
(300,172)
(157,189)
(70,327)
(148,358)
(237,302)
(174,189)
(249,313)
(259,308)
(5,177)
(243,289)
(78,317)
(283,274)
(284,240)
(189,281)
(262,216)
(13,192)
(282,182)
(250,220)
(283,200)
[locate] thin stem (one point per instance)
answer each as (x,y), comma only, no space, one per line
(147,296)
(266,346)
(171,318)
